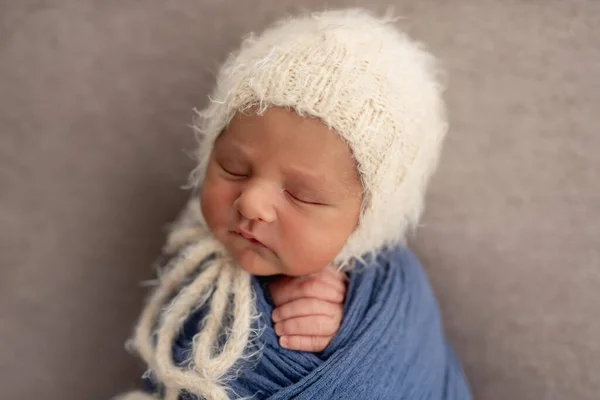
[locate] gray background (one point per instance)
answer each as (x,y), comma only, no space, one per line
(95,98)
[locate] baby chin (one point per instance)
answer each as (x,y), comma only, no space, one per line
(254,258)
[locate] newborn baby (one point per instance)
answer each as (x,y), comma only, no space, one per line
(289,275)
(282,193)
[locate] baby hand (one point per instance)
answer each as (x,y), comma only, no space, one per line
(308,309)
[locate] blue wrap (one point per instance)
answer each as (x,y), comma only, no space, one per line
(390,344)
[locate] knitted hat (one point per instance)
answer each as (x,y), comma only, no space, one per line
(363,78)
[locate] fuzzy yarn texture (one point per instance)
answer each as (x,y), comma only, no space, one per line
(377,88)
(364,79)
(200,269)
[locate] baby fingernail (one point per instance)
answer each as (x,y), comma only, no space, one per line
(278,329)
(284,342)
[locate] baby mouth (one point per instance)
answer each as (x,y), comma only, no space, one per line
(251,239)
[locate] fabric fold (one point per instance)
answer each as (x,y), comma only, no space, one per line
(390,345)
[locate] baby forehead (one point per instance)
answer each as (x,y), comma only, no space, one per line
(301,141)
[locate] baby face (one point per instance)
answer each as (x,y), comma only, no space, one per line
(281,193)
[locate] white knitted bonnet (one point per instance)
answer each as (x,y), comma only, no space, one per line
(371,83)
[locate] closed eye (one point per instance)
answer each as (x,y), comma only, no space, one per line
(295,198)
(233,174)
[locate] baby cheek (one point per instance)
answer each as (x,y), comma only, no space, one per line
(309,248)
(328,242)
(216,202)
(330,236)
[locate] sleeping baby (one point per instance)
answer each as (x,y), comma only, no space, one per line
(288,272)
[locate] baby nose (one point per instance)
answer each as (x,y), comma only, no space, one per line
(256,202)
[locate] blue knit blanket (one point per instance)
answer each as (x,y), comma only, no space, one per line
(390,344)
